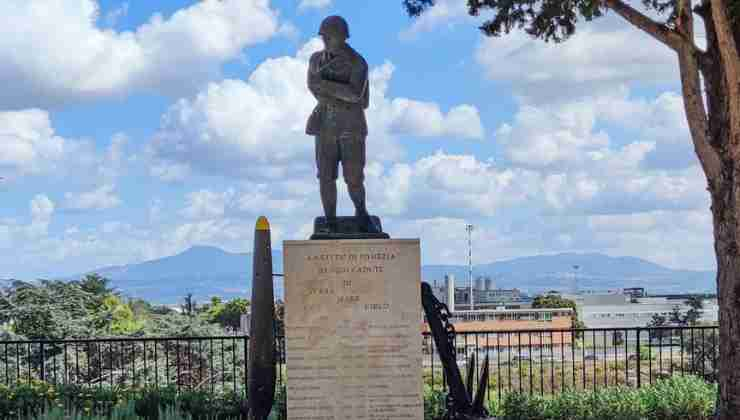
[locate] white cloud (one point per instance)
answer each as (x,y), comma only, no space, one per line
(169,171)
(114,160)
(661,119)
(257,128)
(115,227)
(542,137)
(584,170)
(155,210)
(444,185)
(646,234)
(29,143)
(461,184)
(598,57)
(599,191)
(260,201)
(290,31)
(569,133)
(167,54)
(316,4)
(205,204)
(33,152)
(101,198)
(41,208)
(388,189)
(449,12)
(250,200)
(425,119)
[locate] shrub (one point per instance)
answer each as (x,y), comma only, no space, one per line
(33,399)
(279,408)
(434,403)
(518,406)
(675,398)
(198,405)
(687,398)
(124,412)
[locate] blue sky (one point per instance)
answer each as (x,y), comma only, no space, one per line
(133,130)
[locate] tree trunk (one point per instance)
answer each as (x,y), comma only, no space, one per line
(724,188)
(724,210)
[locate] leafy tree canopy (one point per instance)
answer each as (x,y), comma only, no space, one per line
(554,20)
(230,313)
(553,301)
(47,310)
(96,285)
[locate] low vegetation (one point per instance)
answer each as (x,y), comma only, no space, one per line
(675,398)
(57,310)
(39,400)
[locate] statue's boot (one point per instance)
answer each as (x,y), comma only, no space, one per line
(332,225)
(364,222)
(328,190)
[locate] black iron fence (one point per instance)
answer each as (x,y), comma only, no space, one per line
(552,361)
(204,363)
(530,361)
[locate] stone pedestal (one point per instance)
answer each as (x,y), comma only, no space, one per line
(353,322)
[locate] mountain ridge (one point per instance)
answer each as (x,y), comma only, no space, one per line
(209,270)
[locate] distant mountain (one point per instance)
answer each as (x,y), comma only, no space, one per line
(594,272)
(203,271)
(206,271)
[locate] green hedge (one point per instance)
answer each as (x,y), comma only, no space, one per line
(676,398)
(34,399)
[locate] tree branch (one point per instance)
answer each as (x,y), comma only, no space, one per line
(705,60)
(731,69)
(660,32)
(685,29)
(696,114)
(685,20)
(690,59)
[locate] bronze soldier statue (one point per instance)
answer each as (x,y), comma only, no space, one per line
(337,77)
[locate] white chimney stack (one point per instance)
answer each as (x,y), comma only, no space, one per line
(450,285)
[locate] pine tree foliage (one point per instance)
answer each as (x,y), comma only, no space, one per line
(90,307)
(48,310)
(554,20)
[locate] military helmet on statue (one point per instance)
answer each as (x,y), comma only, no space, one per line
(336,26)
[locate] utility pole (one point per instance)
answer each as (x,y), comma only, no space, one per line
(469,228)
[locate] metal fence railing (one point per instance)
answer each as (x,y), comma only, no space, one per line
(205,363)
(552,361)
(543,361)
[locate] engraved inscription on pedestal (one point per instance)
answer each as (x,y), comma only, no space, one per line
(353,329)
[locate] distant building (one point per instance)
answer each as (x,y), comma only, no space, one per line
(635,292)
(495,330)
(244,321)
(498,315)
(491,315)
(479,283)
(625,311)
(484,295)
